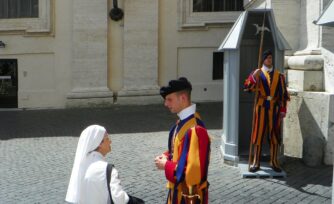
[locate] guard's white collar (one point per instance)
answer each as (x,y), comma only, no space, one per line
(187,112)
(267,69)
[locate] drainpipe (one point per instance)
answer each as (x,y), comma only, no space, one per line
(115,47)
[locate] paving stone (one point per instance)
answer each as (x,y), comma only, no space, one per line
(37,149)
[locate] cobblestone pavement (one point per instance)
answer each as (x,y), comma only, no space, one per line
(37,169)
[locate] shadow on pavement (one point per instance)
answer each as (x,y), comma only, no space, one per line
(303,178)
(117,119)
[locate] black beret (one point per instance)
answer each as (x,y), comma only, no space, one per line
(175,85)
(266,54)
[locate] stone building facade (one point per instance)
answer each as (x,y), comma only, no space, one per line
(74,55)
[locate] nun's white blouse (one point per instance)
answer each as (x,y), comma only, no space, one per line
(94,185)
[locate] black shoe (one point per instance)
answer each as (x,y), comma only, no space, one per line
(254,169)
(277,169)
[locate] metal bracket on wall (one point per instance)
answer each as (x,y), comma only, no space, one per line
(116,13)
(2,44)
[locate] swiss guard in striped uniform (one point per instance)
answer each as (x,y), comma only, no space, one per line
(187,159)
(271,98)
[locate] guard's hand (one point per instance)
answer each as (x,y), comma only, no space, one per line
(160,156)
(160,162)
(282,114)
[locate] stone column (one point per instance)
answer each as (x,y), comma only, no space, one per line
(89,44)
(303,133)
(308,132)
(309,120)
(306,65)
(140,73)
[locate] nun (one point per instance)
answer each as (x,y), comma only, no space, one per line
(88,183)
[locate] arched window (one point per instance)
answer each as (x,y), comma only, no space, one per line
(18,9)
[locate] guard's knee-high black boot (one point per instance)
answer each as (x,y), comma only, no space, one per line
(273,157)
(256,160)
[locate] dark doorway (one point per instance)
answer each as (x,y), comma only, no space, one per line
(8,83)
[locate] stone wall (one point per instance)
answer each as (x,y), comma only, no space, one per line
(186,44)
(309,127)
(328,53)
(42,47)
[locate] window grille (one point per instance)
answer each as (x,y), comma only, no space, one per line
(217,5)
(18,9)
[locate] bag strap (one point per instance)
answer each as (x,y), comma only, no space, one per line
(108,173)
